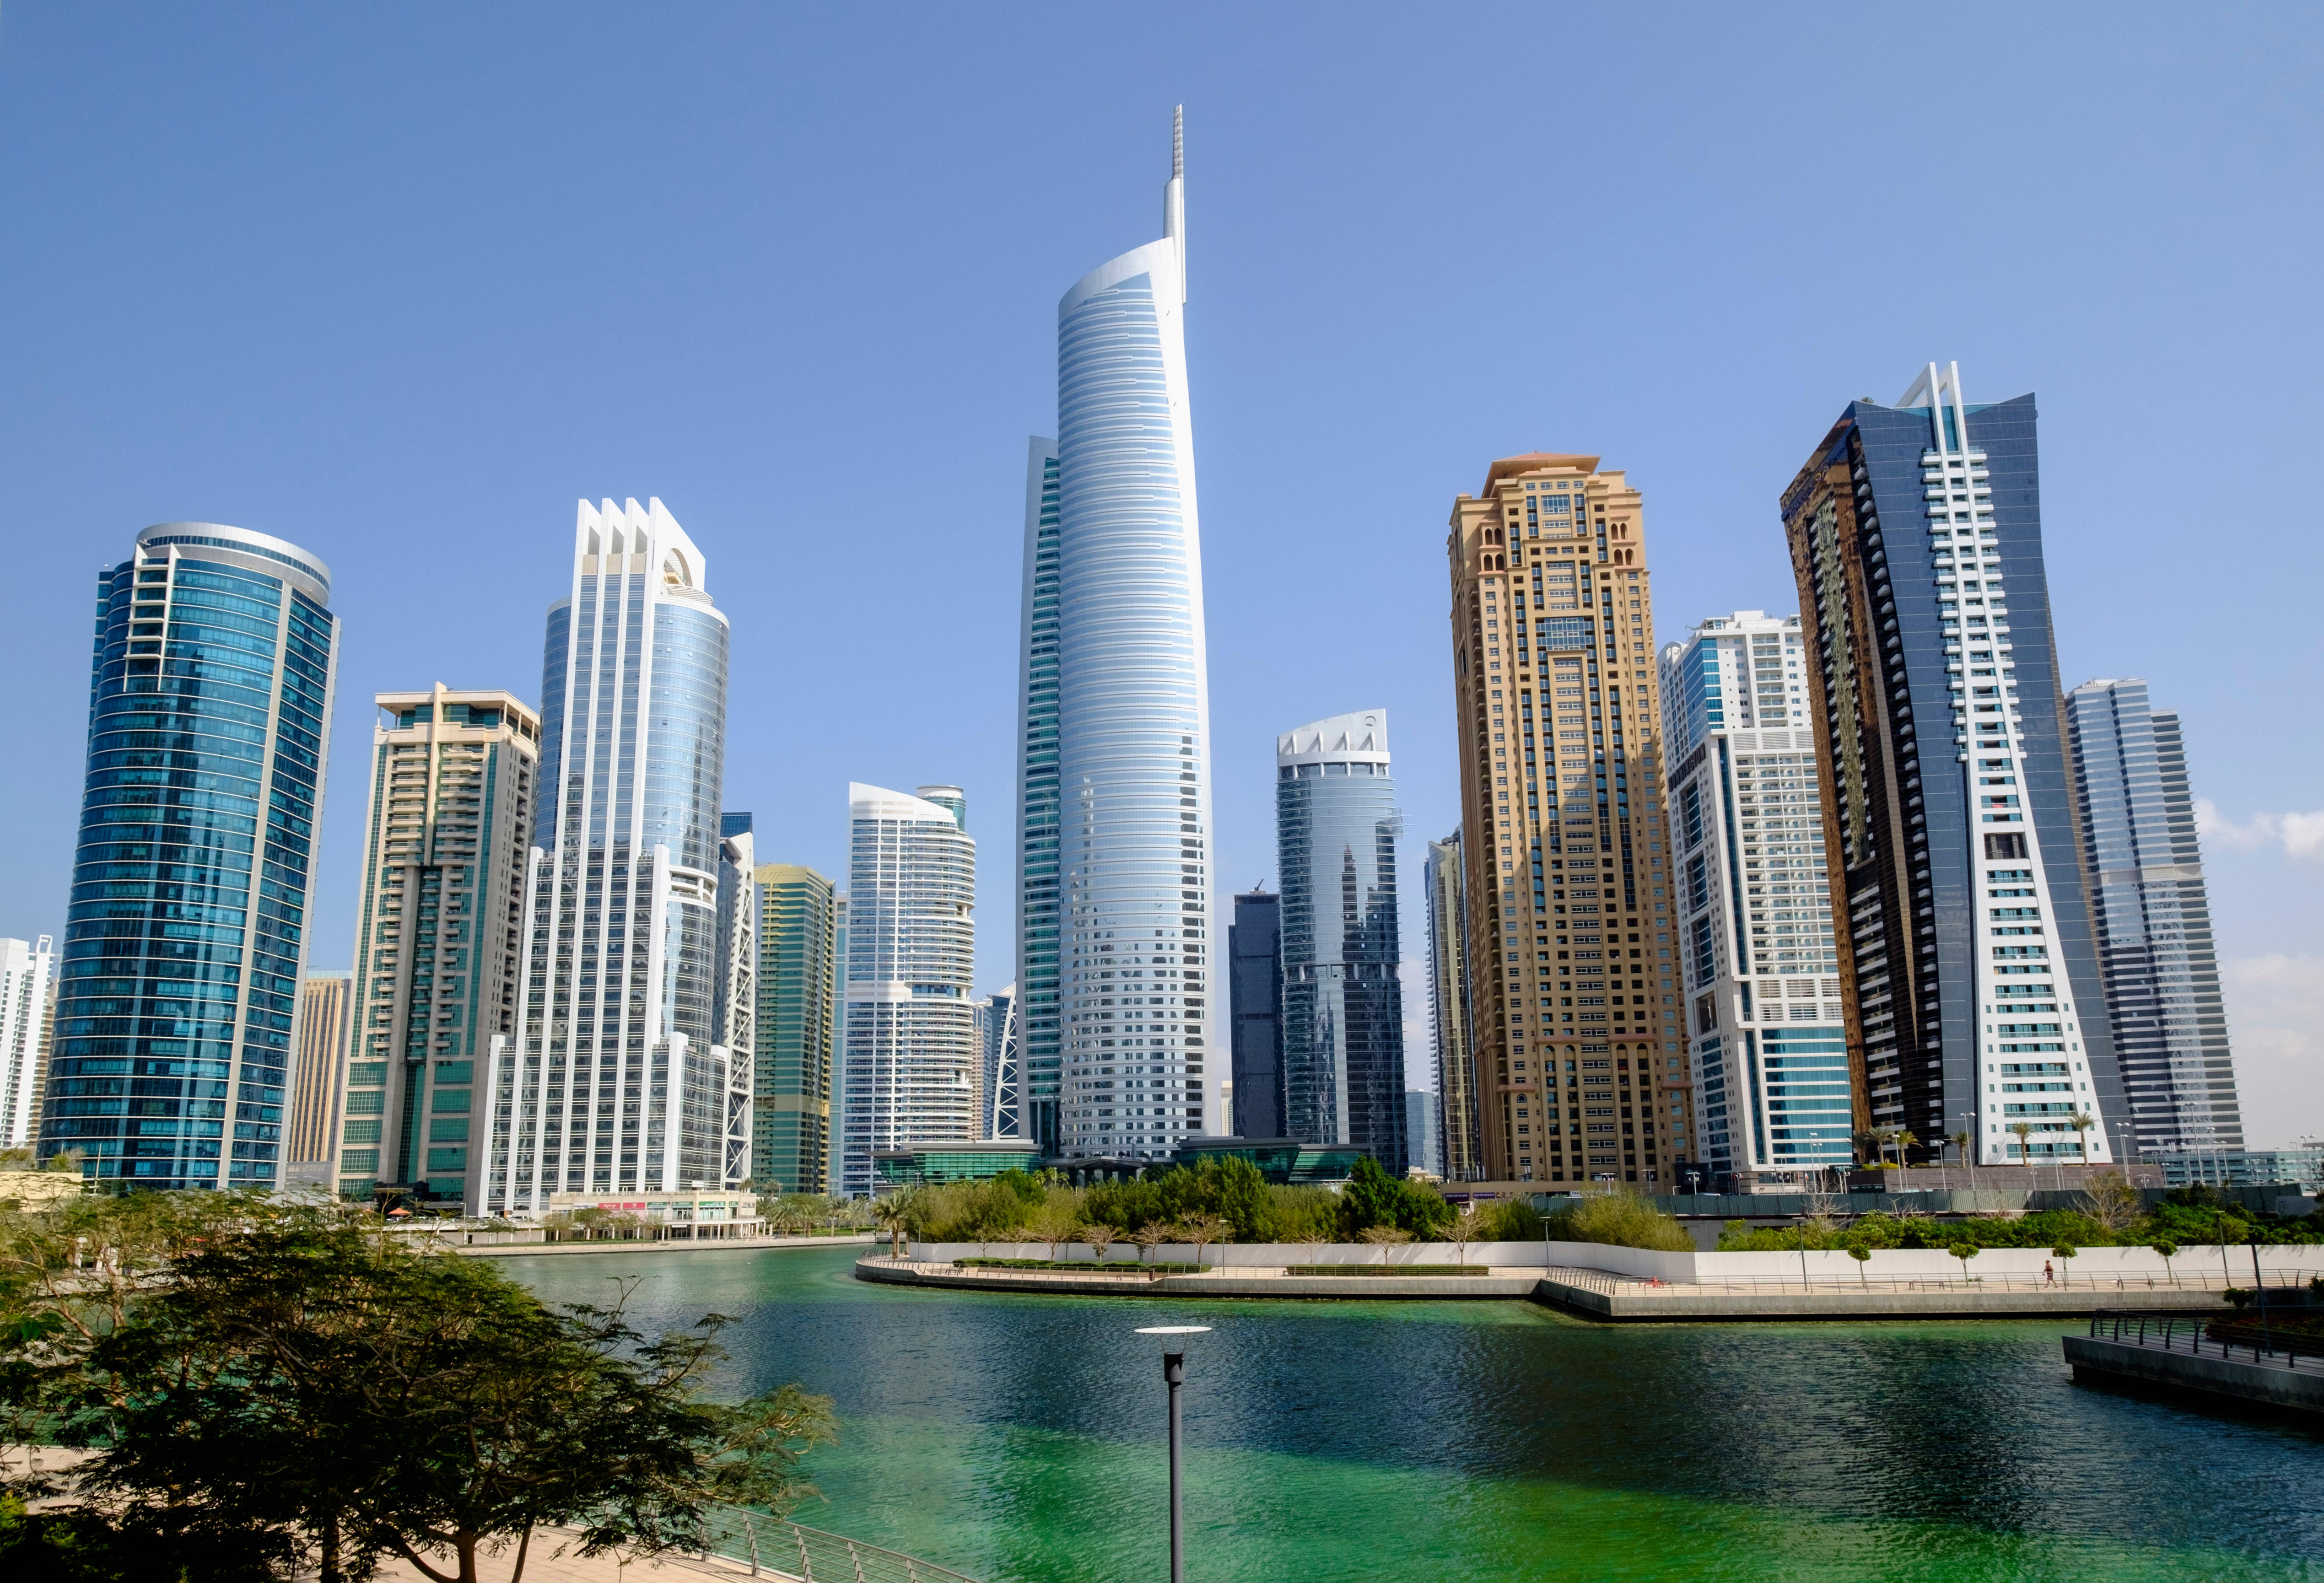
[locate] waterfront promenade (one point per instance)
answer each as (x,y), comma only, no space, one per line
(1601,1282)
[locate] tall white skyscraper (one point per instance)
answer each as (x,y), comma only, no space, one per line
(1137,1013)
(1776,1092)
(28,978)
(912,1039)
(616,1080)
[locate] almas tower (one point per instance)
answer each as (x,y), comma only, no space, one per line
(1114,756)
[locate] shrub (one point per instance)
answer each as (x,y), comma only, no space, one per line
(1621,1219)
(1510,1220)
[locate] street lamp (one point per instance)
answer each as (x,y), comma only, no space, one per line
(1174,1372)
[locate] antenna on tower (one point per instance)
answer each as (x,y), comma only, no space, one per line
(1174,195)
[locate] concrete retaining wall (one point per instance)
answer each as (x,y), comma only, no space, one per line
(2199,1268)
(2265,1385)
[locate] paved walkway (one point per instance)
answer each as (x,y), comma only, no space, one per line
(544,1564)
(672,1245)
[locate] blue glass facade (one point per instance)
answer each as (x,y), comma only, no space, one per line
(1336,825)
(1916,533)
(1040,1056)
(209,702)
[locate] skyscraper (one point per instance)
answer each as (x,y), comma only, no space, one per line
(327,1020)
(439,939)
(618,1083)
(1255,1006)
(911,960)
(1422,1115)
(734,999)
(1580,1072)
(1336,825)
(27,978)
(1915,533)
(2156,960)
(1133,714)
(208,736)
(1776,1094)
(1446,879)
(798,1015)
(1041,1059)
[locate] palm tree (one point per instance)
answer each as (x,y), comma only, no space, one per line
(894,1213)
(2081,1121)
(1961,1140)
(2024,1130)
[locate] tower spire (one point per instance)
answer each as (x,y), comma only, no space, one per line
(1174,195)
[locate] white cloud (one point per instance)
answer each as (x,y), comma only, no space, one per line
(2275,1022)
(2302,835)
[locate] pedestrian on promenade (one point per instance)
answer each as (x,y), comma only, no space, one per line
(2049,1274)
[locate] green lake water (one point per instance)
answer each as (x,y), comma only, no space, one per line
(1020,1439)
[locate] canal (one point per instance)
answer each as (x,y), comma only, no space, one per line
(1020,1439)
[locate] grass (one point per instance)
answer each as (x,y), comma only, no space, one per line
(1388,1270)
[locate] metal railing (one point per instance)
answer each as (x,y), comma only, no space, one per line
(2198,1335)
(772,1547)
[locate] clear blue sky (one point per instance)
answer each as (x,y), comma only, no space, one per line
(401,283)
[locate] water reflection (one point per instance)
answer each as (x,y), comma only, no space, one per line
(1019,1437)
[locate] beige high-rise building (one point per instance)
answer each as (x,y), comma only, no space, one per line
(439,941)
(327,1004)
(1581,1067)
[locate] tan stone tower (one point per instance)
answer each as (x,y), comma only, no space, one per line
(1580,1067)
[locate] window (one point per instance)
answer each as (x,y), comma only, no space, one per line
(2002,847)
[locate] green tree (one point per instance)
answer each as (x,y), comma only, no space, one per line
(1963,1251)
(895,1215)
(1374,1198)
(1245,1202)
(2168,1250)
(2068,1252)
(1863,1256)
(353,1394)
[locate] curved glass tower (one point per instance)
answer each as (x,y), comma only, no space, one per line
(1132,712)
(208,724)
(616,1082)
(1336,825)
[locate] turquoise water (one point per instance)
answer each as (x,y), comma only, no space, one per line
(1020,1439)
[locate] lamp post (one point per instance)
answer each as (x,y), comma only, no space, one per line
(1174,1372)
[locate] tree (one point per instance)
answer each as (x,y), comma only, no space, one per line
(1054,1223)
(1863,1256)
(1149,1237)
(1201,1231)
(2113,1203)
(1315,1237)
(349,1393)
(1100,1237)
(2024,1131)
(2081,1121)
(1384,1237)
(1465,1229)
(1904,1140)
(1960,1141)
(1244,1200)
(1963,1251)
(2068,1252)
(895,1214)
(2167,1249)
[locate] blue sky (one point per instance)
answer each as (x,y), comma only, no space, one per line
(400,284)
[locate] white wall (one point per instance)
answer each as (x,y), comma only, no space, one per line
(2197,1267)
